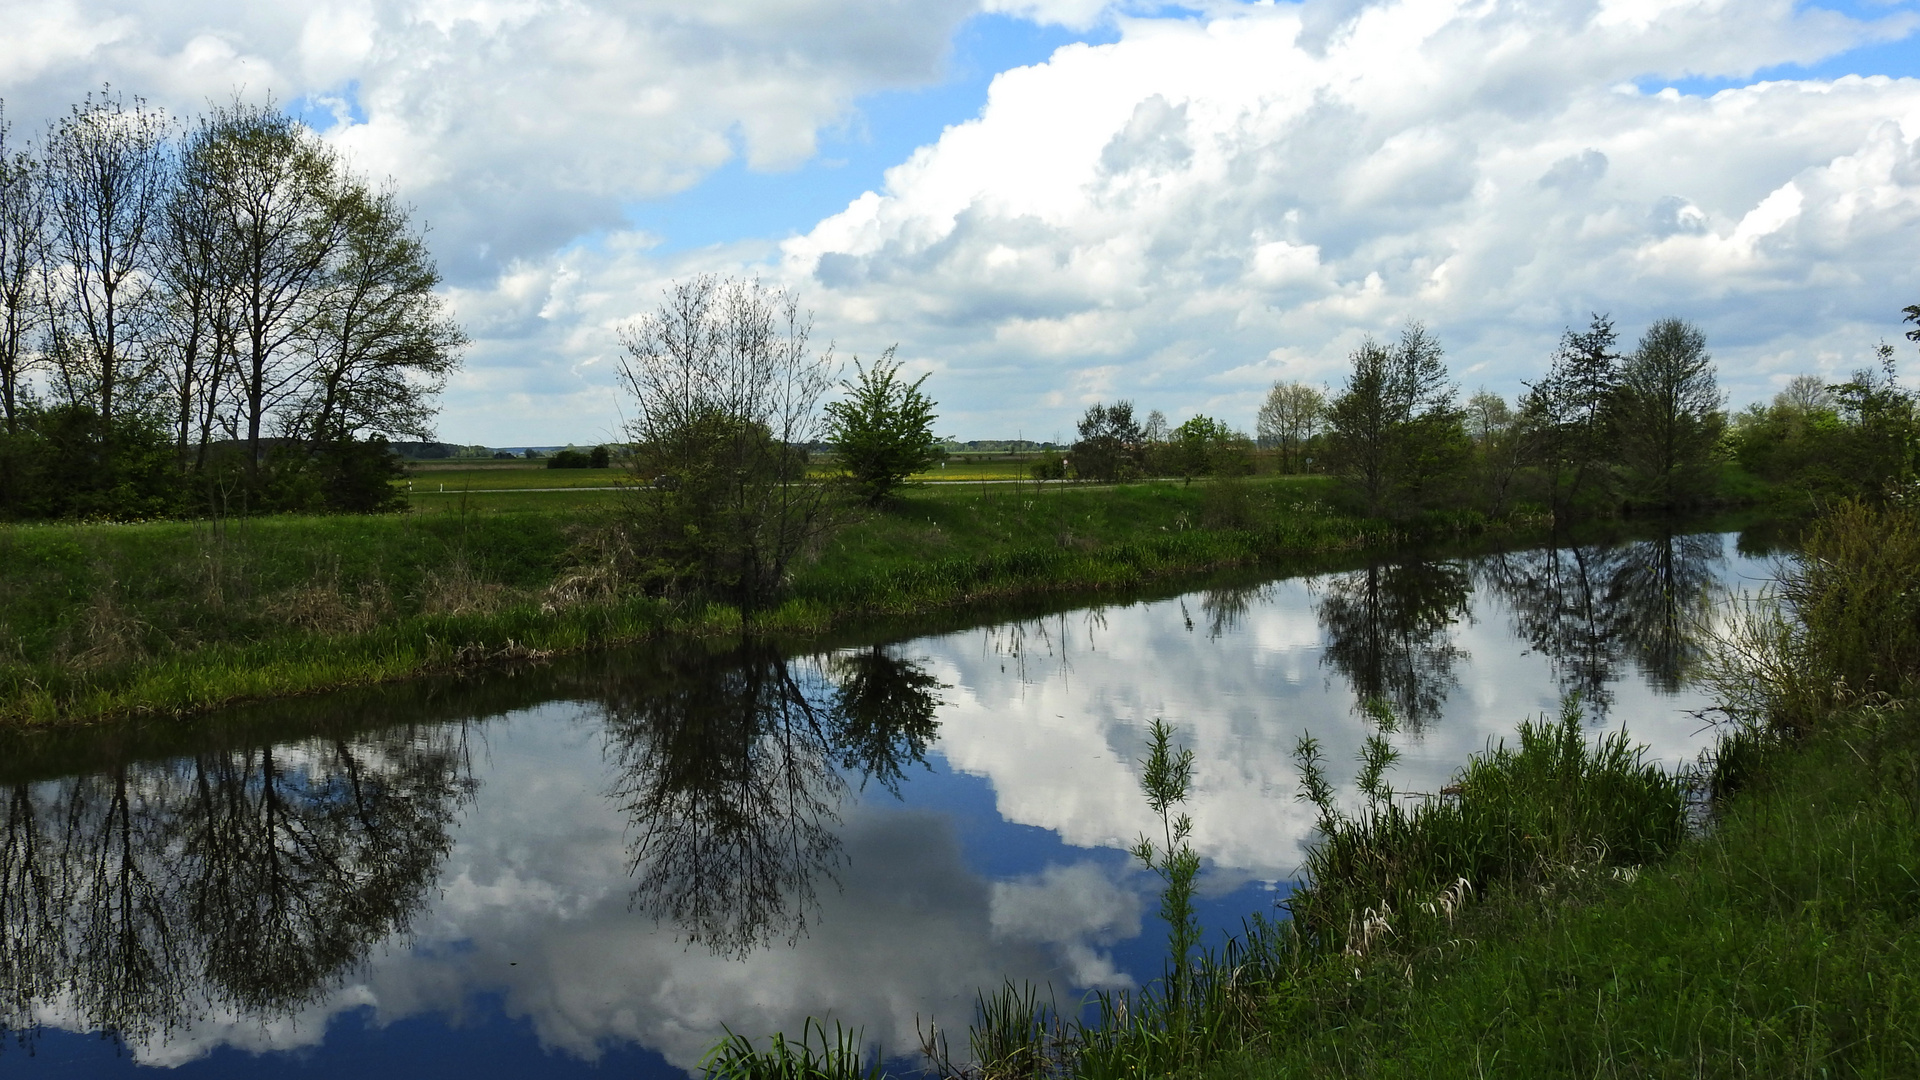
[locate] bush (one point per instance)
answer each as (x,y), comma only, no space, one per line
(66,462)
(572,459)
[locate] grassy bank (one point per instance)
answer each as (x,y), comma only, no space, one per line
(165,618)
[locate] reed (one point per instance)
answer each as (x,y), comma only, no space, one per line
(814,1056)
(1515,817)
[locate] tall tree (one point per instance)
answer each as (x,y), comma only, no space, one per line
(1669,414)
(1568,414)
(1397,435)
(274,191)
(108,169)
(198,324)
(382,343)
(726,390)
(1288,421)
(23,307)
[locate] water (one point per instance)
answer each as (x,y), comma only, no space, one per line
(591,867)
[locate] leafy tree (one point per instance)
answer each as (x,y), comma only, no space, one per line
(1207,447)
(1109,448)
(1669,414)
(1365,419)
(883,429)
(1497,441)
(1289,419)
(1877,453)
(600,458)
(1568,414)
(1397,436)
(1049,465)
(726,389)
(1791,440)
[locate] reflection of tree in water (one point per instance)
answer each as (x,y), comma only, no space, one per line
(1666,586)
(732,767)
(1590,609)
(1223,607)
(139,898)
(1390,632)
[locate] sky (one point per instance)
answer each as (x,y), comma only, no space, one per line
(1050,203)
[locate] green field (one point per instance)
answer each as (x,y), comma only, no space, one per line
(437,480)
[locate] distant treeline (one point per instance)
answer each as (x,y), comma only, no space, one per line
(1601,431)
(215,315)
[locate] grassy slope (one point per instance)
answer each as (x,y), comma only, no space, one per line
(169,617)
(1782,944)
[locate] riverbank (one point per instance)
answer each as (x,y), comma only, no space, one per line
(164,619)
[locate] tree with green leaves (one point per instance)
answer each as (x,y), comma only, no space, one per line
(1289,419)
(882,430)
(1669,418)
(1204,446)
(1110,444)
(1567,416)
(1396,435)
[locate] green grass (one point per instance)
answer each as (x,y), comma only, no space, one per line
(442,481)
(1782,944)
(168,618)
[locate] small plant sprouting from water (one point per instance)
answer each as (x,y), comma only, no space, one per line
(815,1056)
(1166,778)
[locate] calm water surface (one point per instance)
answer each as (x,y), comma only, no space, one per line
(589,868)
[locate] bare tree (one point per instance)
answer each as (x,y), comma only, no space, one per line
(23,307)
(108,169)
(198,325)
(273,188)
(726,390)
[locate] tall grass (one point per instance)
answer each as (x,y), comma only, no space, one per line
(1515,817)
(814,1056)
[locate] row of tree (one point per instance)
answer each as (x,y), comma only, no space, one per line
(1600,429)
(219,309)
(1113,446)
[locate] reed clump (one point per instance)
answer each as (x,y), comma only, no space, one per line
(1516,817)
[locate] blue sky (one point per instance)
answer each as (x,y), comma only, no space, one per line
(1218,198)
(737,202)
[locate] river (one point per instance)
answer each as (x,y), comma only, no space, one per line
(590,867)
